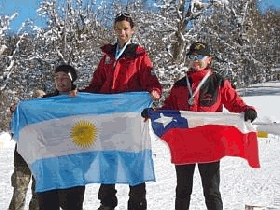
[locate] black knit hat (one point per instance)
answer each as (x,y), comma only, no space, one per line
(69,70)
(199,48)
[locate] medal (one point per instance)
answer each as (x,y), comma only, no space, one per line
(192,95)
(107,60)
(191,101)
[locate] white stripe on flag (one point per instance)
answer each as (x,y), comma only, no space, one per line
(218,118)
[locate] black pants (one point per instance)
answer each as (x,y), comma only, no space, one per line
(67,199)
(210,178)
(137,196)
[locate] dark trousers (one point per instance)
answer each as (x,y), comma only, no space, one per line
(210,178)
(67,199)
(137,196)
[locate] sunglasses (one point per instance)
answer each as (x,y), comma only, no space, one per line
(123,14)
(196,57)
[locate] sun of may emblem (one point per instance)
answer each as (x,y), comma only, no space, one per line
(84,133)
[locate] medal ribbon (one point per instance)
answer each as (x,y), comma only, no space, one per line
(198,86)
(119,51)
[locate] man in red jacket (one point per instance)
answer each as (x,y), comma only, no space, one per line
(202,90)
(125,67)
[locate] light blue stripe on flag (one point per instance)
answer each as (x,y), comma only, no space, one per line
(92,138)
(41,109)
(106,167)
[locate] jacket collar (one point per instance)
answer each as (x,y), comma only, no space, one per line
(131,50)
(196,76)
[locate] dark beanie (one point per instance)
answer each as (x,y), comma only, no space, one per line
(199,48)
(69,70)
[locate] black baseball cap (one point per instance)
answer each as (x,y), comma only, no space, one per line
(199,48)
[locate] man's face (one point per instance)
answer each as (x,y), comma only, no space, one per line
(123,31)
(198,62)
(62,82)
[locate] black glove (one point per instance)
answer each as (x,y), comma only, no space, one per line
(145,113)
(250,114)
(13,108)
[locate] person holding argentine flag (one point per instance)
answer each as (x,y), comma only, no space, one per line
(66,198)
(125,67)
(202,139)
(69,198)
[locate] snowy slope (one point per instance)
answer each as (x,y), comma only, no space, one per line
(240,184)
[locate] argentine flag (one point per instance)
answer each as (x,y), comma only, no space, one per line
(91,138)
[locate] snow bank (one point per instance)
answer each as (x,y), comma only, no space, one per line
(6,140)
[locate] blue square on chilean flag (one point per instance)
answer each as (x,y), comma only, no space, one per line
(164,120)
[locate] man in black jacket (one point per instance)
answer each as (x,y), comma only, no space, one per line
(70,198)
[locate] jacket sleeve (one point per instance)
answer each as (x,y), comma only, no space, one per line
(170,102)
(231,100)
(97,80)
(148,78)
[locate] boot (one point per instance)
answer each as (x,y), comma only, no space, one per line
(139,204)
(137,197)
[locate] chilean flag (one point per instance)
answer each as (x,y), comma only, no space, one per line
(204,137)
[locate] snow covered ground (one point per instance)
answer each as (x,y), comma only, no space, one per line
(240,184)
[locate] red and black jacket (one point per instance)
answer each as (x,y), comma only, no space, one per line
(214,95)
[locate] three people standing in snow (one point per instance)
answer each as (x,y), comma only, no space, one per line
(126,67)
